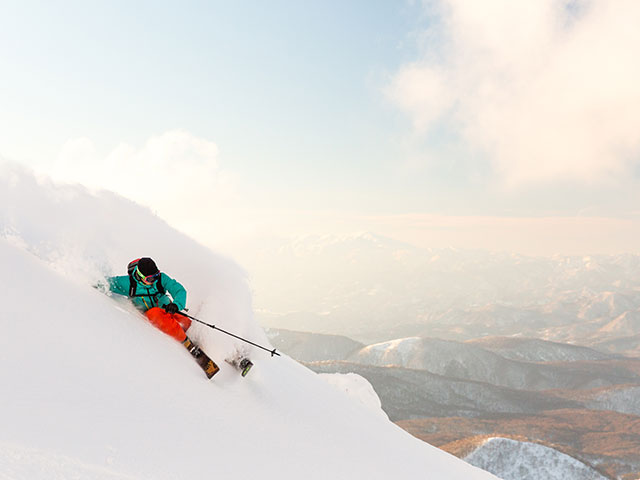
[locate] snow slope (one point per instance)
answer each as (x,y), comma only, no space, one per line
(513,460)
(91,390)
(358,388)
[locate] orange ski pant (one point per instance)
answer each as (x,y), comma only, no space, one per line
(171,324)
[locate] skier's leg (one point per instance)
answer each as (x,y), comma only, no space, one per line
(185,322)
(166,322)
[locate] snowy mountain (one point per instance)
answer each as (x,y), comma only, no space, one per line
(536,350)
(470,362)
(513,460)
(316,347)
(91,390)
(623,399)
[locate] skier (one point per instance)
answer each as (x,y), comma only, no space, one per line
(158,296)
(161,298)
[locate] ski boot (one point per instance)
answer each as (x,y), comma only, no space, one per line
(244,366)
(241,363)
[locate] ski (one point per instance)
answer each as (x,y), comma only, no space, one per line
(208,366)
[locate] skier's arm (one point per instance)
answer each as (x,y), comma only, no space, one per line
(119,285)
(176,290)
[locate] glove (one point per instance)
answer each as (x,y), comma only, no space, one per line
(171,308)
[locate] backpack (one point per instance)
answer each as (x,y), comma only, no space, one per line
(133,284)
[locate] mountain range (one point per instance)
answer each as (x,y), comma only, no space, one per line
(574,401)
(373,289)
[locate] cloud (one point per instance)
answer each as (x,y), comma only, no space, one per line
(176,174)
(547,90)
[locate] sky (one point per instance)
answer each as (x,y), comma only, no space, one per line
(499,125)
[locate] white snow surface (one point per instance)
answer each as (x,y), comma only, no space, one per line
(91,390)
(357,388)
(20,462)
(513,460)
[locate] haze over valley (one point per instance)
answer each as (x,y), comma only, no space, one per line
(542,350)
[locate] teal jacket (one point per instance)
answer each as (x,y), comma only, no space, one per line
(148,296)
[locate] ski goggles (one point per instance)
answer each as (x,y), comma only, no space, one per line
(146,279)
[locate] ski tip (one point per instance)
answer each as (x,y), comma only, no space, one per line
(211,369)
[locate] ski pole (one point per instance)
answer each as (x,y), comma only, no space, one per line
(272,352)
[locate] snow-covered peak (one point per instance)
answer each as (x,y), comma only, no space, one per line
(514,460)
(392,353)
